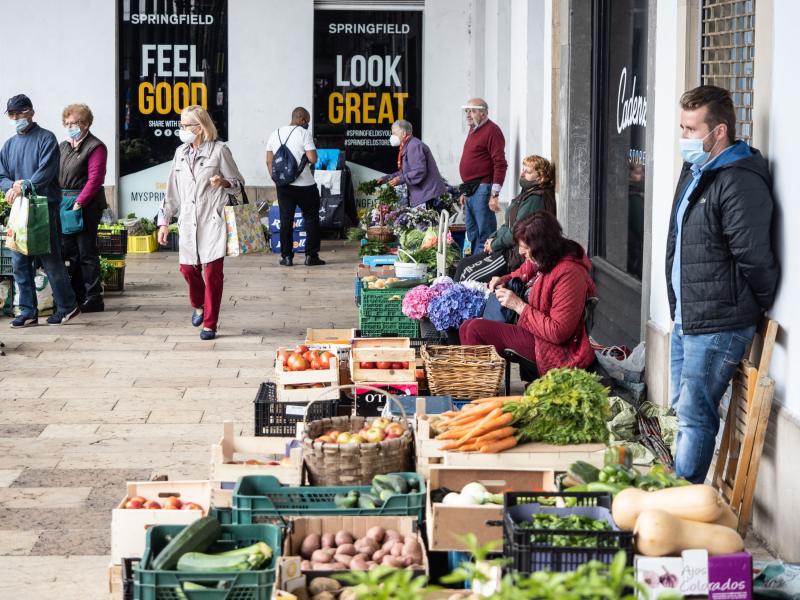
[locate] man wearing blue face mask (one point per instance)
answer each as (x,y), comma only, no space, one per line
(31,155)
(721,271)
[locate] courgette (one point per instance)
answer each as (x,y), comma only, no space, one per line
(368,501)
(391,482)
(583,472)
(195,537)
(243,559)
(349,500)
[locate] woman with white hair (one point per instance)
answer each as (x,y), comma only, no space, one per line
(416,167)
(203,178)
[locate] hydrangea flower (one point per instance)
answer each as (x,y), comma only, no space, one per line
(455,305)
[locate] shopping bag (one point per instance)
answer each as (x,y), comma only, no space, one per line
(245,234)
(29,224)
(71,220)
(44,294)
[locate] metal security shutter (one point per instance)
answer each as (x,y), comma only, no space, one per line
(728,51)
(369,5)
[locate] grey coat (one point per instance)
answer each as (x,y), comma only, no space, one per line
(199,205)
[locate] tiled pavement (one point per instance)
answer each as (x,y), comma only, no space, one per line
(132,392)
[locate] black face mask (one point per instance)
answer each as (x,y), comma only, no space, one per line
(304,125)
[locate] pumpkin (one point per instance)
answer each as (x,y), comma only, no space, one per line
(658,533)
(694,502)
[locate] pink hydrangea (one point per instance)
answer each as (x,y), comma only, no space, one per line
(416,301)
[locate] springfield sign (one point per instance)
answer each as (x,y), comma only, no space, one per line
(171,55)
(367,74)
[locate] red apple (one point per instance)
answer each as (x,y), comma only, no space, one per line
(133,504)
(152,504)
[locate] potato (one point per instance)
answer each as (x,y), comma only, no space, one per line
(391,534)
(372,564)
(305,565)
(348,593)
(378,556)
(343,558)
(358,563)
(376,533)
(323,596)
(328,540)
(343,537)
(367,546)
(321,566)
(321,556)
(412,549)
(397,549)
(336,566)
(393,561)
(348,549)
(388,545)
(310,543)
(323,584)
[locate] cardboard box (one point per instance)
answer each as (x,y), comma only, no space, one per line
(695,573)
(358,526)
(730,576)
(446,522)
(370,403)
(129,526)
(336,341)
(383,271)
(229,456)
(289,573)
(660,574)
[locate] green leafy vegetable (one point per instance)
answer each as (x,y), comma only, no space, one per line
(565,406)
(546,521)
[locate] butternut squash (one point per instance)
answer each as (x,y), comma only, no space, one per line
(693,502)
(658,533)
(727,517)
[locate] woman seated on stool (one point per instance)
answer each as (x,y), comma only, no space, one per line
(550,329)
(499,255)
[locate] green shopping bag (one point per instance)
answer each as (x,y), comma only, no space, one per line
(29,223)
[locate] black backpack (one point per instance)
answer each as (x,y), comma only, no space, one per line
(284,165)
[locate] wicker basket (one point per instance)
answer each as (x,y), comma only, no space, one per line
(354,464)
(380,234)
(466,372)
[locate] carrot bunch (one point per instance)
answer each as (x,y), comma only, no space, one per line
(481,426)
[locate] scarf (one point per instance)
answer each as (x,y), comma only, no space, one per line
(402,150)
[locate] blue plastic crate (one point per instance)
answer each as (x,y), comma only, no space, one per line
(379,260)
(358,290)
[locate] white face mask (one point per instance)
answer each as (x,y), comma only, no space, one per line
(187,137)
(394,140)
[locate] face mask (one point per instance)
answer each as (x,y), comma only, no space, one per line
(187,137)
(527,185)
(394,140)
(304,125)
(692,150)
(73,133)
(20,124)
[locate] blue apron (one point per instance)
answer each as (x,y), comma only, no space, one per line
(71,220)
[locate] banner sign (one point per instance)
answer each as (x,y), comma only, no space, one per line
(171,55)
(367,75)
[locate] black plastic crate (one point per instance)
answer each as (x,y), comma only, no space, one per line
(114,280)
(172,243)
(279,419)
(128,565)
(113,243)
(533,550)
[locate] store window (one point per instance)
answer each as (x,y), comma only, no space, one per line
(620,114)
(728,41)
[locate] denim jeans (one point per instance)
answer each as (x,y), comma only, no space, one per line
(481,220)
(24,272)
(701,369)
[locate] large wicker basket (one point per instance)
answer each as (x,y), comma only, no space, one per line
(380,234)
(463,372)
(353,464)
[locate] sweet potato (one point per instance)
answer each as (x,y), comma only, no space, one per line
(328,540)
(377,533)
(343,537)
(311,542)
(397,549)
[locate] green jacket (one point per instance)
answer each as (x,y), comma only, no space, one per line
(528,203)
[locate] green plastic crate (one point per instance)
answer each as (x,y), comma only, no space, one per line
(395,326)
(263,496)
(150,584)
(377,303)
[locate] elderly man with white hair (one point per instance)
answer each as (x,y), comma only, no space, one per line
(416,167)
(483,169)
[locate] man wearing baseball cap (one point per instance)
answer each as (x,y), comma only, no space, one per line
(31,156)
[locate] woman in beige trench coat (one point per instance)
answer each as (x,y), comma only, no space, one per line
(203,177)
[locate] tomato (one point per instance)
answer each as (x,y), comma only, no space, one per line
(384,365)
(420,373)
(316,364)
(405,365)
(310,356)
(325,359)
(301,349)
(297,363)
(367,365)
(283,356)
(399,365)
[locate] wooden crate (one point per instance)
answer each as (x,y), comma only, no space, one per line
(382,342)
(115,581)
(229,455)
(426,447)
(327,377)
(360,355)
(444,522)
(129,526)
(339,337)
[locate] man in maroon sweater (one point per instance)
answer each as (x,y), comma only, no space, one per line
(483,170)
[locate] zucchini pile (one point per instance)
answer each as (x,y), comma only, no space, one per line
(187,551)
(383,488)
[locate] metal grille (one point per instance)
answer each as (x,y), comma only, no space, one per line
(728,51)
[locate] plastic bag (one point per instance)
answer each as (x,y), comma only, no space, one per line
(108,217)
(629,369)
(776,579)
(44,294)
(7,297)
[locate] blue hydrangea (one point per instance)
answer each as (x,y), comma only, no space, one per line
(454,306)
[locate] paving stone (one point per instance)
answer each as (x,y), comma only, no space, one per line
(21,430)
(17,542)
(94,478)
(52,518)
(70,430)
(68,542)
(9,476)
(43,497)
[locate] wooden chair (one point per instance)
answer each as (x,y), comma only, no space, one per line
(736,469)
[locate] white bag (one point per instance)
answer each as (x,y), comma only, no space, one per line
(630,369)
(44,294)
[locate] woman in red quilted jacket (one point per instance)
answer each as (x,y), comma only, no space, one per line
(550,329)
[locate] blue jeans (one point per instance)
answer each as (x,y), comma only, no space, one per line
(701,369)
(481,221)
(24,272)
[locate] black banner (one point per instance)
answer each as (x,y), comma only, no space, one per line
(367,74)
(172,54)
